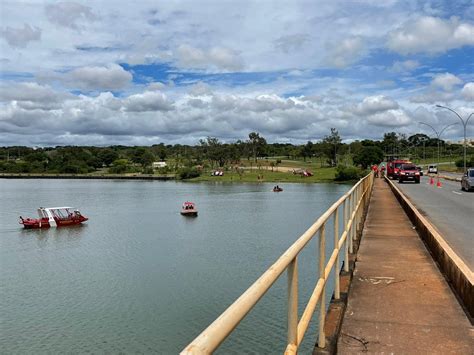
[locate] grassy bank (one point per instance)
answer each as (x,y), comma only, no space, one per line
(263,175)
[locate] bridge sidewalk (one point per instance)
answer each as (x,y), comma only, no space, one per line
(399,302)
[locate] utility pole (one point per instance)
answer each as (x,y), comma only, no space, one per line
(464,124)
(438,135)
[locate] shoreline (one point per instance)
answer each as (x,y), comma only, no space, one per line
(87,177)
(228,178)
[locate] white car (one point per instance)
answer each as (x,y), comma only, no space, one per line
(432,169)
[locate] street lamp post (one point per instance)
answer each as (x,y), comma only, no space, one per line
(464,123)
(438,134)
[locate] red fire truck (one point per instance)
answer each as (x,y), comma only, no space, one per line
(393,167)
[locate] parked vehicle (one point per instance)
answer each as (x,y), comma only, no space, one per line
(393,167)
(420,169)
(408,172)
(467,181)
(432,169)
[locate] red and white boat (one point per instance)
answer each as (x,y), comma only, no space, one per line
(189,209)
(54,217)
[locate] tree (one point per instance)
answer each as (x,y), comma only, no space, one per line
(390,141)
(142,156)
(257,144)
(107,156)
(307,150)
(368,155)
(331,143)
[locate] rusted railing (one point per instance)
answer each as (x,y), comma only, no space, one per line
(353,204)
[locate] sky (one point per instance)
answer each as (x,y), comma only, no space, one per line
(141,73)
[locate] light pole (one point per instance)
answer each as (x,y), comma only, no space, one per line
(438,134)
(464,123)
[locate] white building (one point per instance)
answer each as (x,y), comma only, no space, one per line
(159,164)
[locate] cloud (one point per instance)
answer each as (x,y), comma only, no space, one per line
(375,104)
(446,81)
(430,35)
(31,96)
(390,118)
(345,52)
(110,77)
(468,91)
(405,66)
(20,37)
(291,43)
(216,58)
(68,14)
(148,101)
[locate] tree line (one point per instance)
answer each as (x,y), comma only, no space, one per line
(213,153)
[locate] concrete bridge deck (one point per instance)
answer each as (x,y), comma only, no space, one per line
(399,302)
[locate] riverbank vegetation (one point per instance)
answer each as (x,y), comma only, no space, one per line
(253,159)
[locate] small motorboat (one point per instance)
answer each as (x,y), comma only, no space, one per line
(189,209)
(54,217)
(277,189)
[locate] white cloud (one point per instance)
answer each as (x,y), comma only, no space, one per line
(446,81)
(110,77)
(430,35)
(291,43)
(468,91)
(31,96)
(345,52)
(20,37)
(216,58)
(68,14)
(375,104)
(390,118)
(405,66)
(148,101)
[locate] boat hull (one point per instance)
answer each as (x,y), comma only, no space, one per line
(189,213)
(36,223)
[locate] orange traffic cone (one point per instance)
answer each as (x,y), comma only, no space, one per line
(438,184)
(431,180)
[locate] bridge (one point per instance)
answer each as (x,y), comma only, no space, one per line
(399,287)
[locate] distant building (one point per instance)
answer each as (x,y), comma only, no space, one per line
(159,164)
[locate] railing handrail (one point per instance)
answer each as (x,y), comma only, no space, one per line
(217,331)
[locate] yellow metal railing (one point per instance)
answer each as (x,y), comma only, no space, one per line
(353,204)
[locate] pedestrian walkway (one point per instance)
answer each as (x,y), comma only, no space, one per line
(399,302)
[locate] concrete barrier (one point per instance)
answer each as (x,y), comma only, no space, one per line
(456,272)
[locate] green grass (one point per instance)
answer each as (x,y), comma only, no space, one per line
(320,175)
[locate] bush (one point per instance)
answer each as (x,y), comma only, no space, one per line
(345,173)
(148,170)
(469,162)
(188,173)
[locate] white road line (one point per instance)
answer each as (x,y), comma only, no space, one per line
(457,193)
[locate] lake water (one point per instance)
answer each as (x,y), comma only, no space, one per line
(140,278)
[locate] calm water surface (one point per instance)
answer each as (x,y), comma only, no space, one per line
(140,278)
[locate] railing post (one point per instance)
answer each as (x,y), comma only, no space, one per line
(322,299)
(351,230)
(293,302)
(346,244)
(337,294)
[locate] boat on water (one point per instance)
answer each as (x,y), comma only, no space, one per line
(189,209)
(54,217)
(277,189)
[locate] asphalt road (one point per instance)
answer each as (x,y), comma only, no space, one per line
(450,210)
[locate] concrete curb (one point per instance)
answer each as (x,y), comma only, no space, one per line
(456,272)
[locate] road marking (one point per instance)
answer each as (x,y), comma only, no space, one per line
(457,193)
